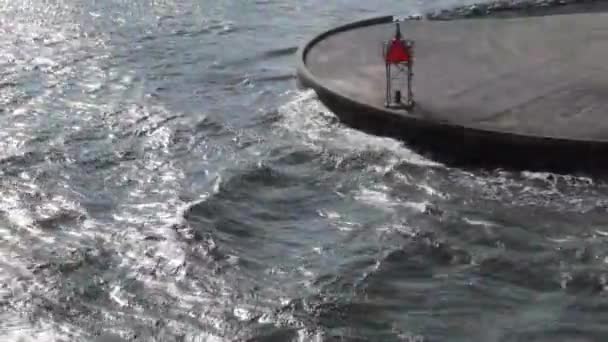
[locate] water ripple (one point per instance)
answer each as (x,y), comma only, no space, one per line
(161,179)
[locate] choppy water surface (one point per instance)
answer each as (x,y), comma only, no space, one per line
(163,179)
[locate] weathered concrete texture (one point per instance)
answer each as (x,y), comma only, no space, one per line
(527,81)
(544,76)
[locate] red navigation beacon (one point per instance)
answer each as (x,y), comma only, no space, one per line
(398,57)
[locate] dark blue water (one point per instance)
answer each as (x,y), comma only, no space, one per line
(162,178)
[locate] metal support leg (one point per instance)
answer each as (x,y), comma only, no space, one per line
(410,95)
(388,85)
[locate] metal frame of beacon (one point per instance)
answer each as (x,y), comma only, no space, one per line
(398,56)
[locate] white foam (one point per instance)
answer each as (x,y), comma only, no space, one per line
(420,207)
(306,272)
(601,233)
(478,222)
(433,192)
(332,215)
(375,198)
(202,337)
(117,296)
(242,313)
(15,210)
(307,116)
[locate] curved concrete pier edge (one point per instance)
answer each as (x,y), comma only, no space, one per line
(451,142)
